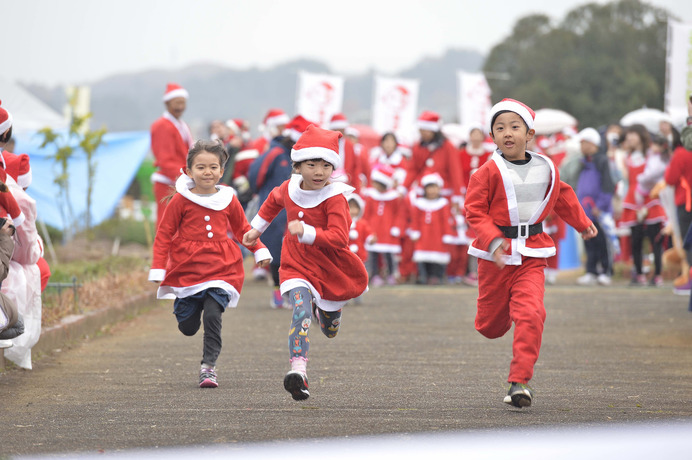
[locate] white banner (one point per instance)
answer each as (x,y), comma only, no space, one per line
(474,99)
(678,70)
(319,96)
(395,102)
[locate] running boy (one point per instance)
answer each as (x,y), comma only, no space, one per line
(507,199)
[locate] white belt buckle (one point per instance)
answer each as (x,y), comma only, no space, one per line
(523,231)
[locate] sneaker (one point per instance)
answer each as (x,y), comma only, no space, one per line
(377,281)
(296,383)
(519,395)
(277,299)
(471,279)
(391,280)
(638,280)
(656,281)
(684,289)
(207,378)
(260,273)
(604,280)
(587,279)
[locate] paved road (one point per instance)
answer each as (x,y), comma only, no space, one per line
(408,360)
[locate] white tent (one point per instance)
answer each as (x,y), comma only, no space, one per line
(28,112)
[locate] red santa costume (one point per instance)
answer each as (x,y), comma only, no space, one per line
(438,156)
(350,171)
(431,228)
(383,212)
(320,260)
(192,249)
(473,158)
(636,202)
(360,232)
(515,292)
(397,160)
(170,141)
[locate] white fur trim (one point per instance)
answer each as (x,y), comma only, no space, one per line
(353,234)
(19,220)
(7,124)
(309,153)
(258,223)
(448,239)
(338,124)
(432,257)
(381,247)
(248,154)
(160,178)
(180,92)
(430,205)
(277,120)
(263,254)
(309,234)
(389,195)
(24,180)
(313,198)
(379,176)
(512,107)
(157,274)
(395,232)
(326,305)
(414,235)
(172,292)
(218,201)
(353,248)
(428,125)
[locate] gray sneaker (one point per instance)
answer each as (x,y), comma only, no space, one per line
(519,395)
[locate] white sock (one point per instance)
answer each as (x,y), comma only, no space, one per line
(299,364)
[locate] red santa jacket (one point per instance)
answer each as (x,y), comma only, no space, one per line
(491,201)
(384,213)
(431,230)
(169,148)
(358,236)
(350,173)
(443,160)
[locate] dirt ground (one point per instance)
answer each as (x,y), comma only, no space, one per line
(407,360)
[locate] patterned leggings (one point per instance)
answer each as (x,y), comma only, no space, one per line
(303,308)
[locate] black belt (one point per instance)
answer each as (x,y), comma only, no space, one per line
(522,231)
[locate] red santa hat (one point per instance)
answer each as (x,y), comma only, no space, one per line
(338,121)
(174,90)
(316,142)
(429,121)
(17,167)
(512,105)
(432,179)
(359,201)
(275,117)
(384,174)
(296,127)
(5,120)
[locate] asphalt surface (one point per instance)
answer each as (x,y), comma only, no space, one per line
(407,360)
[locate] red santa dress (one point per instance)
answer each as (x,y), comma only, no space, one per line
(192,249)
(320,260)
(514,294)
(431,230)
(383,210)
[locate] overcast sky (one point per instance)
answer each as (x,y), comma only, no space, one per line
(79,41)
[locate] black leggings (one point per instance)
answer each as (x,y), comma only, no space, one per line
(211,312)
(653,232)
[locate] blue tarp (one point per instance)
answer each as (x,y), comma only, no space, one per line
(117,162)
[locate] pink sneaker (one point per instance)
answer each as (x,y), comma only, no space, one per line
(207,378)
(391,280)
(377,281)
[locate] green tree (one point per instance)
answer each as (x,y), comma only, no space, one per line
(599,63)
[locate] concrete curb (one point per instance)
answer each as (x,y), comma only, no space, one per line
(75,327)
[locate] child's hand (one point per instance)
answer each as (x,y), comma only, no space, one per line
(499,253)
(8,227)
(590,232)
(295,227)
(250,238)
(263,263)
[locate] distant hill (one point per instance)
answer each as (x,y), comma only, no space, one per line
(133,101)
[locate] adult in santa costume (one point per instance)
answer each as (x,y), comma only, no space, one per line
(194,259)
(350,172)
(170,141)
(319,273)
(435,154)
(431,231)
(268,171)
(506,202)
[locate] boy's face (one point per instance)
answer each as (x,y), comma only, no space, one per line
(511,136)
(316,173)
(354,209)
(432,191)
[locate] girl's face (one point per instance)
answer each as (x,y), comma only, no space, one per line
(426,135)
(206,172)
(510,135)
(432,191)
(354,209)
(316,173)
(388,145)
(476,137)
(633,142)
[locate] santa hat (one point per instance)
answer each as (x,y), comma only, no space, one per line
(338,121)
(590,135)
(512,105)
(351,131)
(429,121)
(296,127)
(432,179)
(174,90)
(320,143)
(359,200)
(17,167)
(569,131)
(384,174)
(275,117)
(5,120)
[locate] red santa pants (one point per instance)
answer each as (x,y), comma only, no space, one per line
(161,191)
(513,294)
